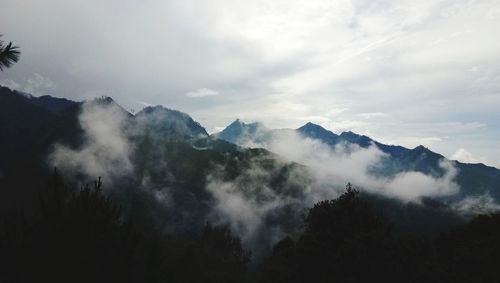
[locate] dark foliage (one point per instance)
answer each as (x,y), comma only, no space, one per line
(345,241)
(471,253)
(217,257)
(84,237)
(9,54)
(343,238)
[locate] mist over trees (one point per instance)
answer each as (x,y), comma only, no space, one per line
(83,236)
(345,240)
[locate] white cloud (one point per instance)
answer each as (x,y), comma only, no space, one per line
(10,84)
(202,92)
(373,115)
(465,156)
(477,205)
(412,185)
(105,151)
(351,163)
(145,104)
(218,129)
(35,84)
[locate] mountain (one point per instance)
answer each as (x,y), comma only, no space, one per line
(474,179)
(354,138)
(32,126)
(52,104)
(169,123)
(180,177)
(240,133)
(172,156)
(317,132)
(29,125)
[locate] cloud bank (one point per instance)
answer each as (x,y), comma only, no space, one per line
(350,163)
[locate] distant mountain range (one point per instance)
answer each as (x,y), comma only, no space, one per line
(474,179)
(173,153)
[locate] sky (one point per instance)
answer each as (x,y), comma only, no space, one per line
(402,72)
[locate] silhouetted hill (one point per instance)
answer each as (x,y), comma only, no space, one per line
(53,104)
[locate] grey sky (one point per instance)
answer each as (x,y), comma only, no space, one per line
(403,72)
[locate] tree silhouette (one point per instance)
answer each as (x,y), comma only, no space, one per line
(345,240)
(471,252)
(343,236)
(217,256)
(9,54)
(83,236)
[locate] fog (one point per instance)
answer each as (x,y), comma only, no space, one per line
(347,162)
(106,150)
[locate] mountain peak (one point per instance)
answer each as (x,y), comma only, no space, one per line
(103,100)
(420,148)
(107,102)
(238,130)
(236,123)
(239,123)
(310,125)
(315,131)
(424,151)
(160,108)
(170,122)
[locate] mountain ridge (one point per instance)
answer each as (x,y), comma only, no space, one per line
(313,130)
(58,105)
(476,179)
(55,124)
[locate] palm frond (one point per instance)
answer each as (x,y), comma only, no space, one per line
(9,54)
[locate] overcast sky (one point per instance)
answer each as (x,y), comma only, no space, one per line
(403,72)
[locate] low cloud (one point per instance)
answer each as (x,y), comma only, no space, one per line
(36,84)
(350,163)
(258,211)
(249,203)
(465,156)
(105,151)
(411,186)
(144,103)
(476,205)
